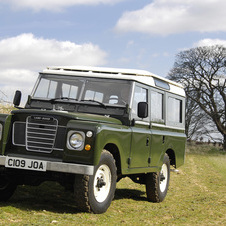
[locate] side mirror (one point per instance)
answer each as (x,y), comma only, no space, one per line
(17,98)
(142,110)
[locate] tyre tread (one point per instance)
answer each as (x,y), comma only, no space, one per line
(81,189)
(152,192)
(81,192)
(152,185)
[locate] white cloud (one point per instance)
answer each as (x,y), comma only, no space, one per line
(22,56)
(54,5)
(14,79)
(210,42)
(166,17)
(27,51)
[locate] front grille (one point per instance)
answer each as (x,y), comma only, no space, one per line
(41,133)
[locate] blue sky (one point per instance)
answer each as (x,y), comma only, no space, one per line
(137,34)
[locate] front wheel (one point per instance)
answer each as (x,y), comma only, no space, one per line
(95,193)
(157,183)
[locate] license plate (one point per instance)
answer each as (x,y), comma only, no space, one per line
(27,164)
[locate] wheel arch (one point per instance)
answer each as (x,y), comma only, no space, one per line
(113,149)
(172,157)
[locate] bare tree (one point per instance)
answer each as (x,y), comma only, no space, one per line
(195,118)
(202,70)
(2,96)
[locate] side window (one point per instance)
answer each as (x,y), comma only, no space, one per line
(174,110)
(140,95)
(157,111)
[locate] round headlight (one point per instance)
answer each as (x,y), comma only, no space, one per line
(76,140)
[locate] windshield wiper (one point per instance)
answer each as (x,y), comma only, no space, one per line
(95,101)
(62,98)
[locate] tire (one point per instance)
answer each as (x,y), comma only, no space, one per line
(157,183)
(95,193)
(7,188)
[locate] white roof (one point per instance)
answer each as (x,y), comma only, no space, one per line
(141,76)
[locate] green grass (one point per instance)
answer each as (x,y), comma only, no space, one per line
(196,196)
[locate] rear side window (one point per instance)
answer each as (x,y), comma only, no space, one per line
(157,106)
(174,110)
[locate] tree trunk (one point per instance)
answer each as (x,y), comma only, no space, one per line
(224,144)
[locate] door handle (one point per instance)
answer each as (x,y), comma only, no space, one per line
(147,141)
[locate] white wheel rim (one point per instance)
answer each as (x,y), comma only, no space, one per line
(164,173)
(103,173)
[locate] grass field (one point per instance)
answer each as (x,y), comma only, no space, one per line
(196,196)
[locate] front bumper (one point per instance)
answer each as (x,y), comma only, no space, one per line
(60,167)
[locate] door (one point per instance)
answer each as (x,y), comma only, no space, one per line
(141,136)
(140,146)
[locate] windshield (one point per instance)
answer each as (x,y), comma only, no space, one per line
(68,88)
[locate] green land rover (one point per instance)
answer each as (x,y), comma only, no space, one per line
(88,127)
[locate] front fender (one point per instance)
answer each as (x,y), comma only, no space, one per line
(118,135)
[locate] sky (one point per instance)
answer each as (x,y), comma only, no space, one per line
(134,34)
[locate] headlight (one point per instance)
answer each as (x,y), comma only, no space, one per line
(0,131)
(75,140)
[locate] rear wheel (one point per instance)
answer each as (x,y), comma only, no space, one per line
(157,183)
(95,193)
(7,188)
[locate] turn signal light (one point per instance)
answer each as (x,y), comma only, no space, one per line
(87,147)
